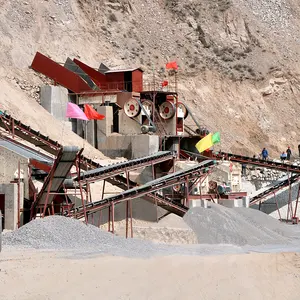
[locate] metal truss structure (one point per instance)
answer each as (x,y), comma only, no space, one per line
(150,190)
(281,166)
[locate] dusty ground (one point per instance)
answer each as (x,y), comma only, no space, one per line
(32,275)
(238,59)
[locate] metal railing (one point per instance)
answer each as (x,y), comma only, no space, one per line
(136,86)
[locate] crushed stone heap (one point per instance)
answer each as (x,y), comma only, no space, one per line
(62,233)
(238,226)
(219,230)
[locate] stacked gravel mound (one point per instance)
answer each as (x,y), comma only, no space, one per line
(62,233)
(239,226)
(226,230)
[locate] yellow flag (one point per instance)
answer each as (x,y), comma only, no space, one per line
(204,143)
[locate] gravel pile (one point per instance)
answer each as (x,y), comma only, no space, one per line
(62,233)
(219,230)
(238,226)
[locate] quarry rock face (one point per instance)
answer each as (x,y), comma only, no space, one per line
(238,60)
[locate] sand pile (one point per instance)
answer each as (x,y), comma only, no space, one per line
(171,230)
(238,226)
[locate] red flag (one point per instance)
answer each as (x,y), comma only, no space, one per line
(164,83)
(92,114)
(172,65)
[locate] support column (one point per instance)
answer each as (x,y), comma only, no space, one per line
(113,218)
(130,205)
(109,211)
(47,197)
(83,204)
(297,201)
(155,198)
(290,206)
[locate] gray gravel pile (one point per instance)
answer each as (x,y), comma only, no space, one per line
(61,233)
(219,230)
(238,226)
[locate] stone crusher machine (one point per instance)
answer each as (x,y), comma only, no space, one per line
(160,113)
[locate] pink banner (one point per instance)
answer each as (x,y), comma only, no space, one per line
(74,112)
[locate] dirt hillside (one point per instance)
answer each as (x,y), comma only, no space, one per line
(238,58)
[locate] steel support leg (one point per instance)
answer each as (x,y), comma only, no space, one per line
(103,189)
(186,192)
(83,204)
(127,213)
(290,208)
(297,201)
(109,210)
(47,197)
(130,210)
(113,218)
(153,178)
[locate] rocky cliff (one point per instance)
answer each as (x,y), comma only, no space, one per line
(238,59)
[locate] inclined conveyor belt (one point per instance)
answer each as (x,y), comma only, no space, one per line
(285,183)
(28,134)
(115,169)
(60,170)
(15,127)
(152,186)
(257,162)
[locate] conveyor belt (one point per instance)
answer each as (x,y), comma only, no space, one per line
(115,169)
(24,151)
(60,170)
(14,127)
(28,134)
(257,162)
(152,186)
(273,189)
